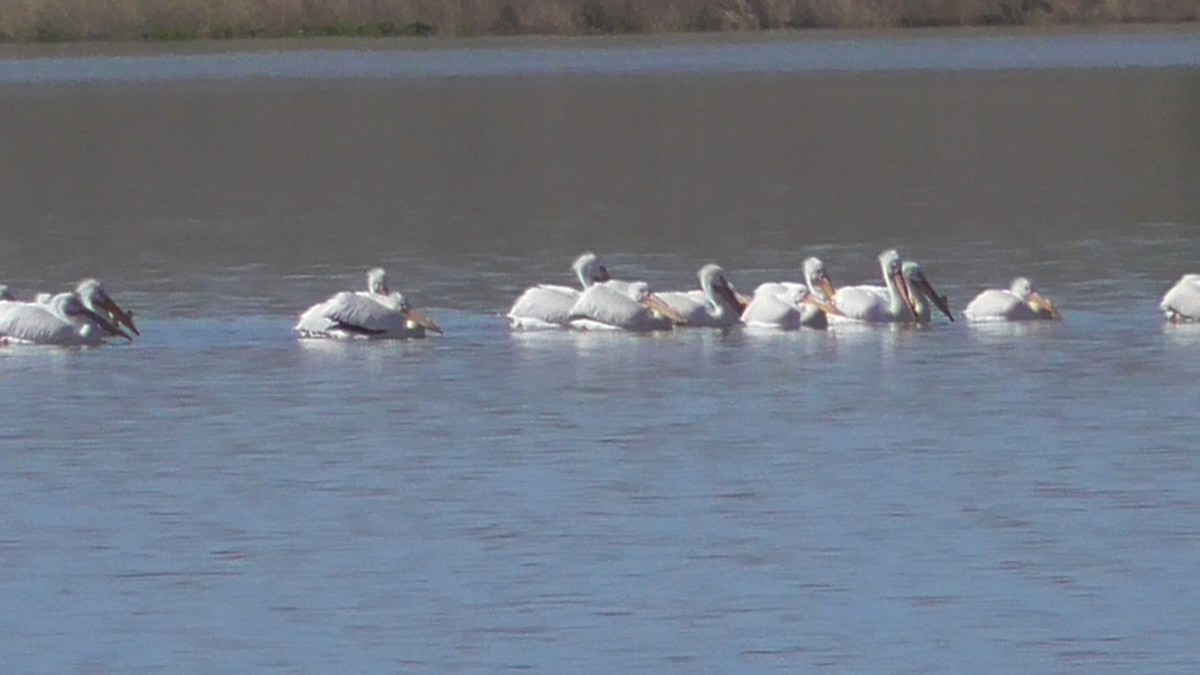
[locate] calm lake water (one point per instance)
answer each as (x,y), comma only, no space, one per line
(221,497)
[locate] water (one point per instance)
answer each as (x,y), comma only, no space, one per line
(824,52)
(221,496)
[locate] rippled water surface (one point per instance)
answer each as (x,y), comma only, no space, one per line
(219,496)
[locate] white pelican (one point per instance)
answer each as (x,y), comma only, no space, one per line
(64,321)
(1181,304)
(626,306)
(715,305)
(922,294)
(91,294)
(374,314)
(97,300)
(549,306)
(789,305)
(878,304)
(1019,302)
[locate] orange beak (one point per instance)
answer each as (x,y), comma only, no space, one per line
(107,326)
(826,287)
(1041,304)
(821,305)
(905,294)
(120,316)
(940,301)
(732,298)
(655,304)
(416,318)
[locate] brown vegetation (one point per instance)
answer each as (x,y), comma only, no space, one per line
(52,20)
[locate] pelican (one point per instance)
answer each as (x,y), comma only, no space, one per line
(789,305)
(1181,304)
(548,306)
(715,305)
(95,299)
(376,314)
(875,304)
(65,320)
(1019,302)
(626,306)
(922,294)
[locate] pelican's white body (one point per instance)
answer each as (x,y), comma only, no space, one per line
(547,306)
(359,315)
(543,307)
(1018,302)
(781,305)
(374,314)
(1182,303)
(709,307)
(83,317)
(874,304)
(48,323)
(605,307)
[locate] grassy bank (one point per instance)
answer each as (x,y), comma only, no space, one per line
(67,20)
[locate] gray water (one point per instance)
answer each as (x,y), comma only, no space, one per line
(219,496)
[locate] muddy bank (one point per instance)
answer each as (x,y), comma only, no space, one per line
(73,20)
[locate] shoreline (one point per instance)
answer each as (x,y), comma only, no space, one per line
(130,21)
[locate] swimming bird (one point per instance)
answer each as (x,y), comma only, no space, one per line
(922,294)
(628,306)
(65,320)
(1019,302)
(96,300)
(789,305)
(1181,304)
(376,314)
(715,305)
(549,306)
(889,303)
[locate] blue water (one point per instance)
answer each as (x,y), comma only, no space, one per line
(839,53)
(219,496)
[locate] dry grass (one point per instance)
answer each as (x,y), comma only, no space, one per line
(184,19)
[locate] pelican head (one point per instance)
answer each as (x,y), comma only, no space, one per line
(93,296)
(1023,289)
(891,264)
(914,276)
(715,285)
(893,274)
(816,278)
(6,294)
(589,270)
(377,281)
(639,292)
(77,307)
